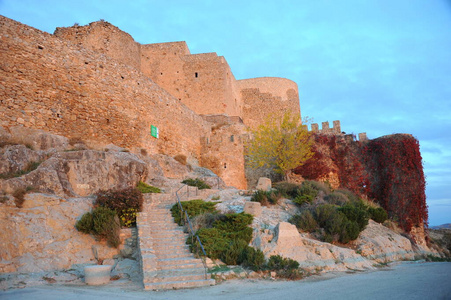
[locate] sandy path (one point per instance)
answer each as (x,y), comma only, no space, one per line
(403,281)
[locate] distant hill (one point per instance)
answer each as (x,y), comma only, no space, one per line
(443,226)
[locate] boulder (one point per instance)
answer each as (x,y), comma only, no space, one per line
(253,208)
(264,184)
(382,244)
(38,139)
(14,158)
(310,254)
(171,168)
(81,173)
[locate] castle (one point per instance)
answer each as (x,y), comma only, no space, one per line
(96,83)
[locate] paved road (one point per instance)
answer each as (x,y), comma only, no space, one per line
(403,281)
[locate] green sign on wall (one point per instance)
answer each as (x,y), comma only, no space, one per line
(154,131)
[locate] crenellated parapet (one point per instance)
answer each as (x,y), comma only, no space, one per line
(336,130)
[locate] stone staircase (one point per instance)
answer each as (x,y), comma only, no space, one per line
(166,260)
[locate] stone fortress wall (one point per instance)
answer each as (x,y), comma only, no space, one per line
(49,83)
(95,83)
(204,82)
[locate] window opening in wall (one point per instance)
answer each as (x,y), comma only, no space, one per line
(225,165)
(108,121)
(161,73)
(232,138)
(196,74)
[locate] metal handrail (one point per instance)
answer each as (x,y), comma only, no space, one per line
(184,216)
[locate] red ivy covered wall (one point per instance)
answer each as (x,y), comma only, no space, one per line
(388,169)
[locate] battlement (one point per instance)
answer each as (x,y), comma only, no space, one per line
(335,130)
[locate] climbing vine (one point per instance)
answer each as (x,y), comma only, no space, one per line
(388,169)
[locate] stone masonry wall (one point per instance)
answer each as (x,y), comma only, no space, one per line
(203,82)
(104,38)
(51,84)
(224,149)
(266,95)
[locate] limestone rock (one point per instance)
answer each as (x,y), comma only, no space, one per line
(253,208)
(171,168)
(41,235)
(38,139)
(381,244)
(15,158)
(208,177)
(310,254)
(264,184)
(81,173)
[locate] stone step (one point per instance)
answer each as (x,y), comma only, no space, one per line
(189,265)
(175,254)
(178,284)
(170,247)
(176,277)
(177,272)
(177,261)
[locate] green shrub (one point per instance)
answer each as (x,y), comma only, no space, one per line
(350,231)
(103,223)
(317,185)
(378,214)
(233,255)
(350,195)
(236,226)
(306,193)
(125,202)
(288,189)
(214,241)
(266,198)
(277,262)
(227,236)
(199,183)
(145,188)
(336,198)
(193,208)
(253,258)
(305,221)
(356,211)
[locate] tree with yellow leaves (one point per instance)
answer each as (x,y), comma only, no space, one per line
(281,143)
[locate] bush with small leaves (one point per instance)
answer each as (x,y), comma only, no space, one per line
(356,211)
(193,208)
(305,221)
(288,189)
(378,214)
(266,198)
(306,194)
(233,254)
(145,188)
(103,223)
(253,258)
(125,202)
(336,198)
(199,183)
(214,241)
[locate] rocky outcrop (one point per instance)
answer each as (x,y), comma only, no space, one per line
(41,235)
(15,158)
(34,138)
(311,254)
(381,244)
(81,173)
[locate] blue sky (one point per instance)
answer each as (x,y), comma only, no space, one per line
(379,66)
